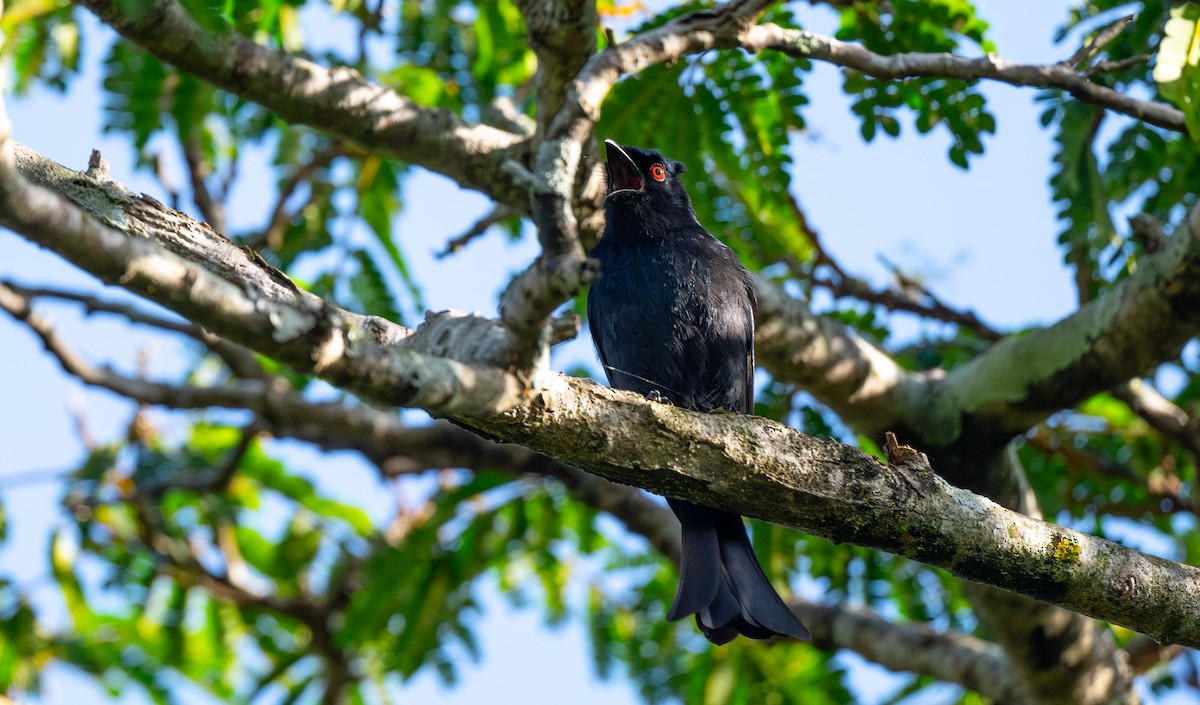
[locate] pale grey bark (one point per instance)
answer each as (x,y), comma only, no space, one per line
(194,271)
(1018,382)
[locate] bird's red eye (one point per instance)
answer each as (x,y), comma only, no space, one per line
(658,172)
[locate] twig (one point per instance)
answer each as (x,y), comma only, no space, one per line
(1145,653)
(212,209)
(1101,67)
(1165,417)
(92,304)
(160,173)
(1101,40)
(1159,412)
(182,396)
(1147,230)
(203,482)
(926,306)
(563,328)
(240,361)
(1075,458)
(845,285)
(823,256)
(499,213)
(272,234)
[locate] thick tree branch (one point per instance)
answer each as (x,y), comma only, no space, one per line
(856,379)
(953,658)
(1018,382)
(221,288)
(744,463)
(853,377)
(563,35)
(872,390)
(336,100)
(749,465)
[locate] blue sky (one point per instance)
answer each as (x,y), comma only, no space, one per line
(985,239)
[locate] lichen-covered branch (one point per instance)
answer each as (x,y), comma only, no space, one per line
(759,468)
(1139,323)
(398,449)
(165,256)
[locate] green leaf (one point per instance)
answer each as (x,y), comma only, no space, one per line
(371,290)
(378,194)
(1177,64)
(42,41)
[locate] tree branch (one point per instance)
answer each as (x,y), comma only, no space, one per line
(1018,382)
(336,100)
(241,361)
(744,463)
(481,226)
(807,45)
(209,281)
(563,36)
(272,234)
(954,658)
(856,379)
(398,449)
(1161,414)
(748,464)
(212,208)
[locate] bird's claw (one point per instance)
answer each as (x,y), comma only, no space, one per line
(656,396)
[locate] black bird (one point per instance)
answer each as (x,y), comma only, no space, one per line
(672,317)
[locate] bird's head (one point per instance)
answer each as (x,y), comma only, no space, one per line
(643,179)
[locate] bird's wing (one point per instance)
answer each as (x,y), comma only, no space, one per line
(753,306)
(595,316)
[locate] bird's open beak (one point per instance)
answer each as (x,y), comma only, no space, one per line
(623,174)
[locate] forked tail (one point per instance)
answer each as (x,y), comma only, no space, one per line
(722,582)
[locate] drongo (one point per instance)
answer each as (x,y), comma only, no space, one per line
(672,317)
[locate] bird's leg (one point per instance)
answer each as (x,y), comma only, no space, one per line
(656,396)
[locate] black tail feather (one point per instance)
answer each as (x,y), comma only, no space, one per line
(722,582)
(701,561)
